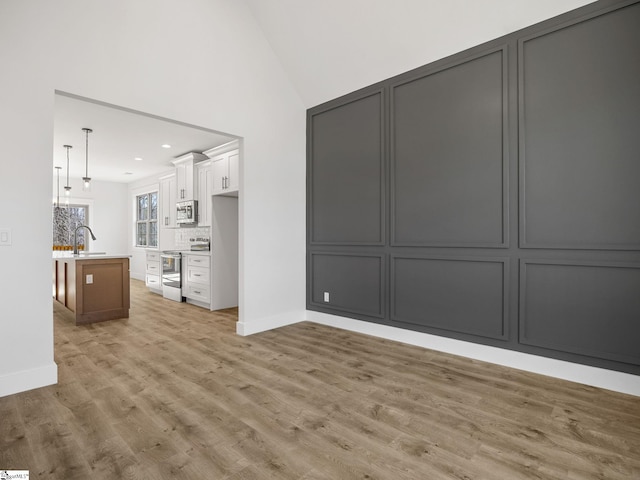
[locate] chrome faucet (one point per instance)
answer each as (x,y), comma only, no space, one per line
(75,238)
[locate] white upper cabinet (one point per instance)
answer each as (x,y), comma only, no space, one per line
(204,175)
(233,182)
(225,161)
(168,201)
(186,186)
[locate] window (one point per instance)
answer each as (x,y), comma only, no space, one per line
(66,218)
(147,220)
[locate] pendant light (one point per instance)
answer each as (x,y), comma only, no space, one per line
(58,197)
(86,178)
(67,187)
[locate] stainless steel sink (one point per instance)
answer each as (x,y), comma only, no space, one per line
(89,254)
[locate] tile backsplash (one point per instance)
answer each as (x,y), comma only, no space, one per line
(183,236)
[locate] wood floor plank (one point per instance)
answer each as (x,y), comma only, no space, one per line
(172,392)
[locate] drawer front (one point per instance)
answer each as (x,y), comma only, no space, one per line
(153,257)
(199,292)
(153,281)
(153,268)
(198,261)
(198,275)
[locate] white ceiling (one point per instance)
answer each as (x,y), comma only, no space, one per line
(118,137)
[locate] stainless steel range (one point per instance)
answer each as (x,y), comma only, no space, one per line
(172,275)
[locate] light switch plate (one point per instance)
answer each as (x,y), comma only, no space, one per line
(5,237)
(89,278)
(326,297)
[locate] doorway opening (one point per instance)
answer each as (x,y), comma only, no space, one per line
(131,154)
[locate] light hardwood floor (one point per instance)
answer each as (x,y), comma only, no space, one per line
(173,393)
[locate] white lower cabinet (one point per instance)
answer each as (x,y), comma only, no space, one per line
(197,291)
(197,279)
(153,273)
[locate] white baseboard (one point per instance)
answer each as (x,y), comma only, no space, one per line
(24,380)
(596,377)
(268,323)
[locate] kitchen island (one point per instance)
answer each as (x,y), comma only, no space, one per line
(93,286)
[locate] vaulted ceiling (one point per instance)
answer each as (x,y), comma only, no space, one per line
(332,47)
(326,47)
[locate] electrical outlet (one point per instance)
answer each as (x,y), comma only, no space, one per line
(326,297)
(89,278)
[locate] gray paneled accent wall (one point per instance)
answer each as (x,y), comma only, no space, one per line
(579,134)
(347,177)
(492,196)
(437,284)
(448,158)
(582,307)
(354,282)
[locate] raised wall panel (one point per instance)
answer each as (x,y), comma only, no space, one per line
(464,295)
(448,160)
(354,282)
(587,308)
(346,188)
(579,141)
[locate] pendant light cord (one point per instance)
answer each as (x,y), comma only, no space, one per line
(86,149)
(86,177)
(67,187)
(67,147)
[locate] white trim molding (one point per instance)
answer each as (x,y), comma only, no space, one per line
(244,328)
(24,380)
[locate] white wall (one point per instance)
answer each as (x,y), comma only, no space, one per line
(202,62)
(107,212)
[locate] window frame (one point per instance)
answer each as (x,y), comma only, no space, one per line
(148,221)
(66,206)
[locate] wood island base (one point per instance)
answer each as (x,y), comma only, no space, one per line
(95,289)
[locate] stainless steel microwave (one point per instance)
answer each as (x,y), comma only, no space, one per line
(187,212)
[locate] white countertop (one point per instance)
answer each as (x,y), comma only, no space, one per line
(86,256)
(206,253)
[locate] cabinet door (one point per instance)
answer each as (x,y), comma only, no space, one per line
(168,202)
(220,169)
(205,190)
(184,182)
(190,190)
(234,171)
(181,182)
(198,275)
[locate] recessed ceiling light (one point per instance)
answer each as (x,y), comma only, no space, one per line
(166,145)
(128,173)
(138,159)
